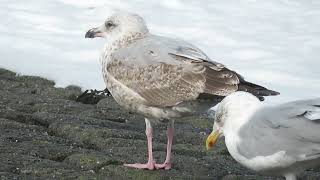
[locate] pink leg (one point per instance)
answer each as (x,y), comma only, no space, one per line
(151,163)
(167,163)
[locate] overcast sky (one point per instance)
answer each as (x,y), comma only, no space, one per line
(275,43)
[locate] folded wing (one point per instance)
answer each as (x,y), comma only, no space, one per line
(292,127)
(166,72)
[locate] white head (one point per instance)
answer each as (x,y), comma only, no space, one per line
(232,113)
(119,26)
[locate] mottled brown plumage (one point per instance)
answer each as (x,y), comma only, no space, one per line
(165,76)
(162,78)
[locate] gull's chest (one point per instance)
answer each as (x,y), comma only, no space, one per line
(124,96)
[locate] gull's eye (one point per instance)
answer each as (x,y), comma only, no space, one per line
(218,118)
(109,24)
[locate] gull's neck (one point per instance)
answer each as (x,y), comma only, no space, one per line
(114,44)
(123,40)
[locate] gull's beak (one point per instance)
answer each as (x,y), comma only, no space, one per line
(94,32)
(212,139)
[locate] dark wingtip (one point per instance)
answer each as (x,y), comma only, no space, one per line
(270,93)
(274,93)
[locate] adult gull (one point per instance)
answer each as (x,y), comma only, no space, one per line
(162,78)
(279,140)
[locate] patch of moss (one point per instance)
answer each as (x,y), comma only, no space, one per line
(41,142)
(91,161)
(189,150)
(199,122)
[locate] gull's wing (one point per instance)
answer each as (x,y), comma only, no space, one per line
(292,127)
(167,71)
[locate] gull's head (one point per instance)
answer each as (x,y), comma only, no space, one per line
(232,113)
(118,26)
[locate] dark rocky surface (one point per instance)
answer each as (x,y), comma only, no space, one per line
(46,134)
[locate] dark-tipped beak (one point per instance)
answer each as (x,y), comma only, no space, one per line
(92,33)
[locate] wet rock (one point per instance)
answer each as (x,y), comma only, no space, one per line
(46,134)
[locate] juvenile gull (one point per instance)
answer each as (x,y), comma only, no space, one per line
(162,78)
(279,140)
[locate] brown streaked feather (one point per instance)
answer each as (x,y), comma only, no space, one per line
(174,72)
(159,84)
(167,85)
(224,76)
(221,82)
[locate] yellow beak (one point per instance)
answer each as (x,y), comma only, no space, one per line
(212,139)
